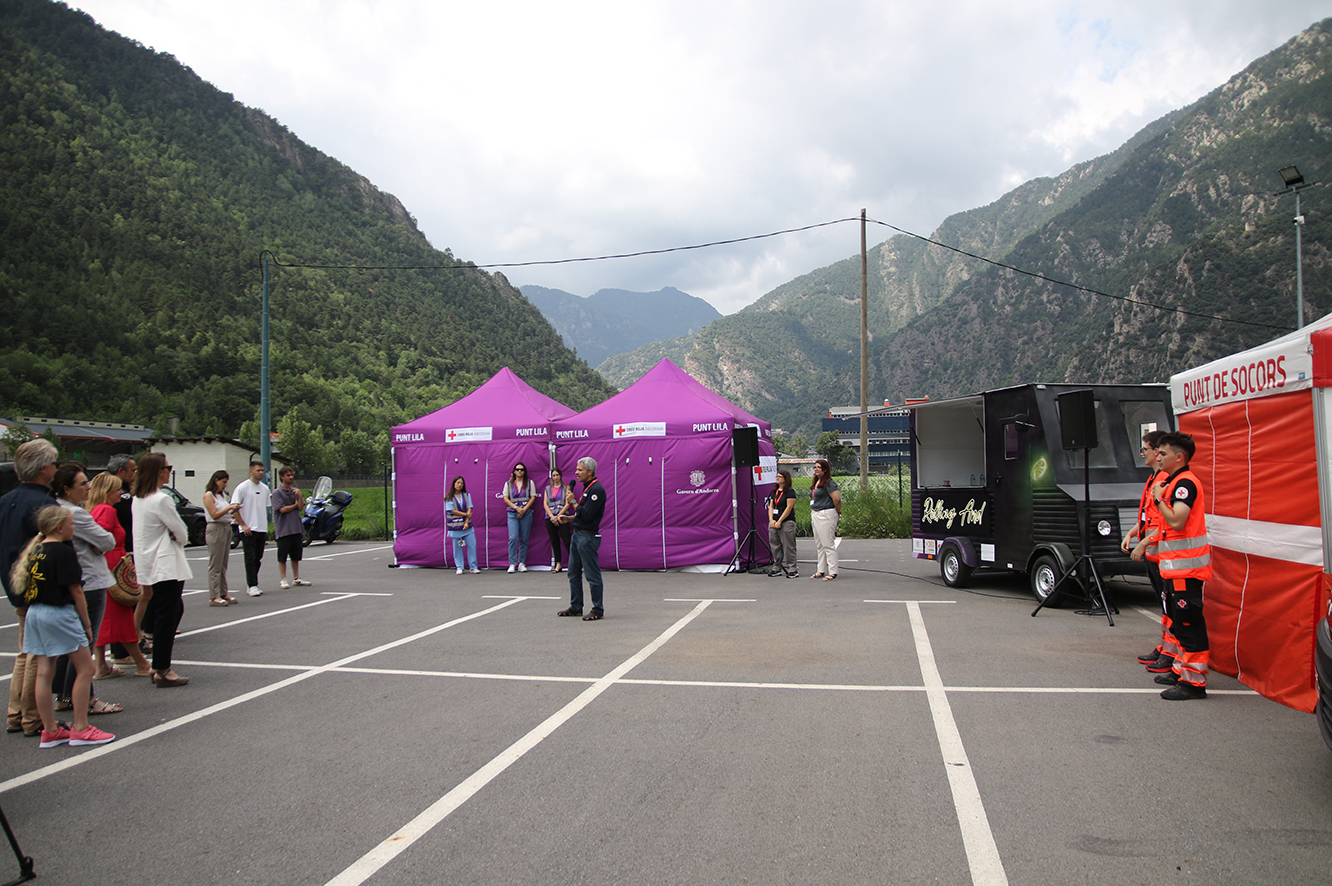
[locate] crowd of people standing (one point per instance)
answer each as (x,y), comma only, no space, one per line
(96,569)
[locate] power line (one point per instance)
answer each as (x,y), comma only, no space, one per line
(462,266)
(564,261)
(1040,276)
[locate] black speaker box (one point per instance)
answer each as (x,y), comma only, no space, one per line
(745,443)
(1077,419)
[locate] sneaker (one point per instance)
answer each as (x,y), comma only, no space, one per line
(458,571)
(301,583)
(54,739)
(794,573)
(475,571)
(1162,664)
(284,584)
(253,591)
(522,567)
(1181,691)
(1167,679)
(90,736)
(511,568)
(773,573)
(1149,657)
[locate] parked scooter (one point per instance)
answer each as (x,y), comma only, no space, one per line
(323,513)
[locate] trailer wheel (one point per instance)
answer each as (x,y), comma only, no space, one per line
(1045,574)
(955,573)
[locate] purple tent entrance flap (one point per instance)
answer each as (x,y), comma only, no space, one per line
(664,453)
(479,437)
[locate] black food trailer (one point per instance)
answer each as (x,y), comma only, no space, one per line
(993,486)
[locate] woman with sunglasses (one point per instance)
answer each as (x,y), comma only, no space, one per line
(519,498)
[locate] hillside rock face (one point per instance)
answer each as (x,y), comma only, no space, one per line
(1179,228)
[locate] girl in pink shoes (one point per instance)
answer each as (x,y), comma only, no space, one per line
(49,577)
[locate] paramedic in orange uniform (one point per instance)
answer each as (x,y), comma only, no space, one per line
(1147,531)
(1186,562)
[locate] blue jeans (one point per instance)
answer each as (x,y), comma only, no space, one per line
(520,530)
(583,558)
(464,543)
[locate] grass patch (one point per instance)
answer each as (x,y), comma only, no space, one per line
(874,513)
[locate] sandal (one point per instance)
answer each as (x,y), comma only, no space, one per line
(63,704)
(97,706)
(111,674)
(816,575)
(832,577)
(147,673)
(565,613)
(594,615)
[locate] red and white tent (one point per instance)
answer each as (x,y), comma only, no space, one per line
(1261,419)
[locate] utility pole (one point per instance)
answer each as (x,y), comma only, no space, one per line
(864,358)
(265,418)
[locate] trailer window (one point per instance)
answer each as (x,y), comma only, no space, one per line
(1141,416)
(1010,441)
(1103,456)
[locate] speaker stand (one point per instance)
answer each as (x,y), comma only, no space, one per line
(1085,567)
(748,539)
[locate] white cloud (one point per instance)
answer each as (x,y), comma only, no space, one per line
(524,131)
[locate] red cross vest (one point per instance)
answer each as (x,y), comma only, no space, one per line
(1149,518)
(1185,552)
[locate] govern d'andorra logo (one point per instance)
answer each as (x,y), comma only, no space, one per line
(697,478)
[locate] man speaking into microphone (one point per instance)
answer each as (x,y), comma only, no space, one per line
(586,541)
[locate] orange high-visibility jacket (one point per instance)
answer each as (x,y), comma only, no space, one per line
(1185,552)
(1149,518)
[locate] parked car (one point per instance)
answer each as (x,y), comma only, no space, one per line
(191,514)
(1323,671)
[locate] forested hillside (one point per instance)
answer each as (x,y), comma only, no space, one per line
(1183,216)
(137,200)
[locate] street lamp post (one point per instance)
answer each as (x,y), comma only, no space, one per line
(1294,184)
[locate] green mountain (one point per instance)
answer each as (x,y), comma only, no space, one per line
(613,321)
(137,200)
(1181,216)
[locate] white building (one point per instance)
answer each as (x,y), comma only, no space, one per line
(194,459)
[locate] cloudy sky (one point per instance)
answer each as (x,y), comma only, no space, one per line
(523,131)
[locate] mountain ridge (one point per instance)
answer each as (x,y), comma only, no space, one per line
(1117,223)
(613,321)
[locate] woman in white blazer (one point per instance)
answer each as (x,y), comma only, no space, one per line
(159,560)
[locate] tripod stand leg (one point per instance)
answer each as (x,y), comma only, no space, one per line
(26,872)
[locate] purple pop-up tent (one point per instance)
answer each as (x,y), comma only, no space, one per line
(481,437)
(663,448)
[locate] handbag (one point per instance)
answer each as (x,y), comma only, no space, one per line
(126,590)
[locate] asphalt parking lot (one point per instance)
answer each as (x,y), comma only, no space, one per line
(403,726)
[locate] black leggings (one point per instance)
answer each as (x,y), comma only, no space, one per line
(167,610)
(559,532)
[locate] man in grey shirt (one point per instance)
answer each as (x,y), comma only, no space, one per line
(288,505)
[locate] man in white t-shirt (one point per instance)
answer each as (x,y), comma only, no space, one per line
(254,498)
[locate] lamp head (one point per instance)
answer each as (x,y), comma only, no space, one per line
(1291,176)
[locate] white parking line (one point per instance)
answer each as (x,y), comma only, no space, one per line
(130,741)
(366,866)
(987,869)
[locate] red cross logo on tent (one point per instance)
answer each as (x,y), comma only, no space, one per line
(452,434)
(758,472)
(619,430)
